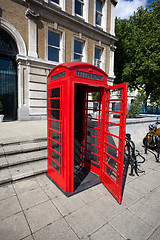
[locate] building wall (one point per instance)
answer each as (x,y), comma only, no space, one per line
(31,19)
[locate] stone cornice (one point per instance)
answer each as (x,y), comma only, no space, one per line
(50,12)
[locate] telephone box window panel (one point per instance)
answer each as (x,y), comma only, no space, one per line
(55,128)
(89,75)
(59,75)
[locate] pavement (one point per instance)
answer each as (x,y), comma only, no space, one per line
(35,209)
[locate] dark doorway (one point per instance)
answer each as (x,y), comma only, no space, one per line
(8,76)
(83,177)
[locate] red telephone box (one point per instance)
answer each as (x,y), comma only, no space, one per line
(84,133)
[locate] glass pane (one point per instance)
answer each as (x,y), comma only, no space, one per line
(55,92)
(98,53)
(56,1)
(55,125)
(55,114)
(55,136)
(92,148)
(98,18)
(112,163)
(55,156)
(99,5)
(91,157)
(113,141)
(92,140)
(111,151)
(55,146)
(78,46)
(55,103)
(55,166)
(53,39)
(53,54)
(79,7)
(111,174)
(77,58)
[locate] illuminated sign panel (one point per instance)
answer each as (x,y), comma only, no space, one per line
(59,75)
(89,75)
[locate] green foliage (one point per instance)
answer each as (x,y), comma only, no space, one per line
(95,96)
(137,105)
(137,57)
(1,107)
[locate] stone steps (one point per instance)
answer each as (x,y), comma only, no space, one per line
(22,159)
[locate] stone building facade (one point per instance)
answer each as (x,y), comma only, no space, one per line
(36,35)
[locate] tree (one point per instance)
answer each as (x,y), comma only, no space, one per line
(137,57)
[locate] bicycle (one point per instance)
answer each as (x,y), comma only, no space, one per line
(131,155)
(152,139)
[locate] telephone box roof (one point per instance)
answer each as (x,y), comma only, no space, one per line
(77,65)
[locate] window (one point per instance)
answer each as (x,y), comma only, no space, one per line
(79,7)
(97,57)
(100,14)
(99,6)
(78,50)
(58,3)
(53,46)
(55,1)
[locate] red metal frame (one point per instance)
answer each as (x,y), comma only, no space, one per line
(112,164)
(93,154)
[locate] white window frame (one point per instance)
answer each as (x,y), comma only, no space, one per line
(80,38)
(56,29)
(84,17)
(103,55)
(61,5)
(104,15)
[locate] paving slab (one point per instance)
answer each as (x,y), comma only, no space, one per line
(146,208)
(12,148)
(7,191)
(5,176)
(91,195)
(31,198)
(84,221)
(51,190)
(44,181)
(131,227)
(151,180)
(67,205)
(25,185)
(29,146)
(107,232)
(14,227)
(107,207)
(20,171)
(133,191)
(16,159)
(155,235)
(38,166)
(3,162)
(41,215)
(9,207)
(1,151)
(30,237)
(37,155)
(57,230)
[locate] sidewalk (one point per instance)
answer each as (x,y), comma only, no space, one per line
(22,131)
(35,209)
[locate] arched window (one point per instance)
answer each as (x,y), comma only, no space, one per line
(8,75)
